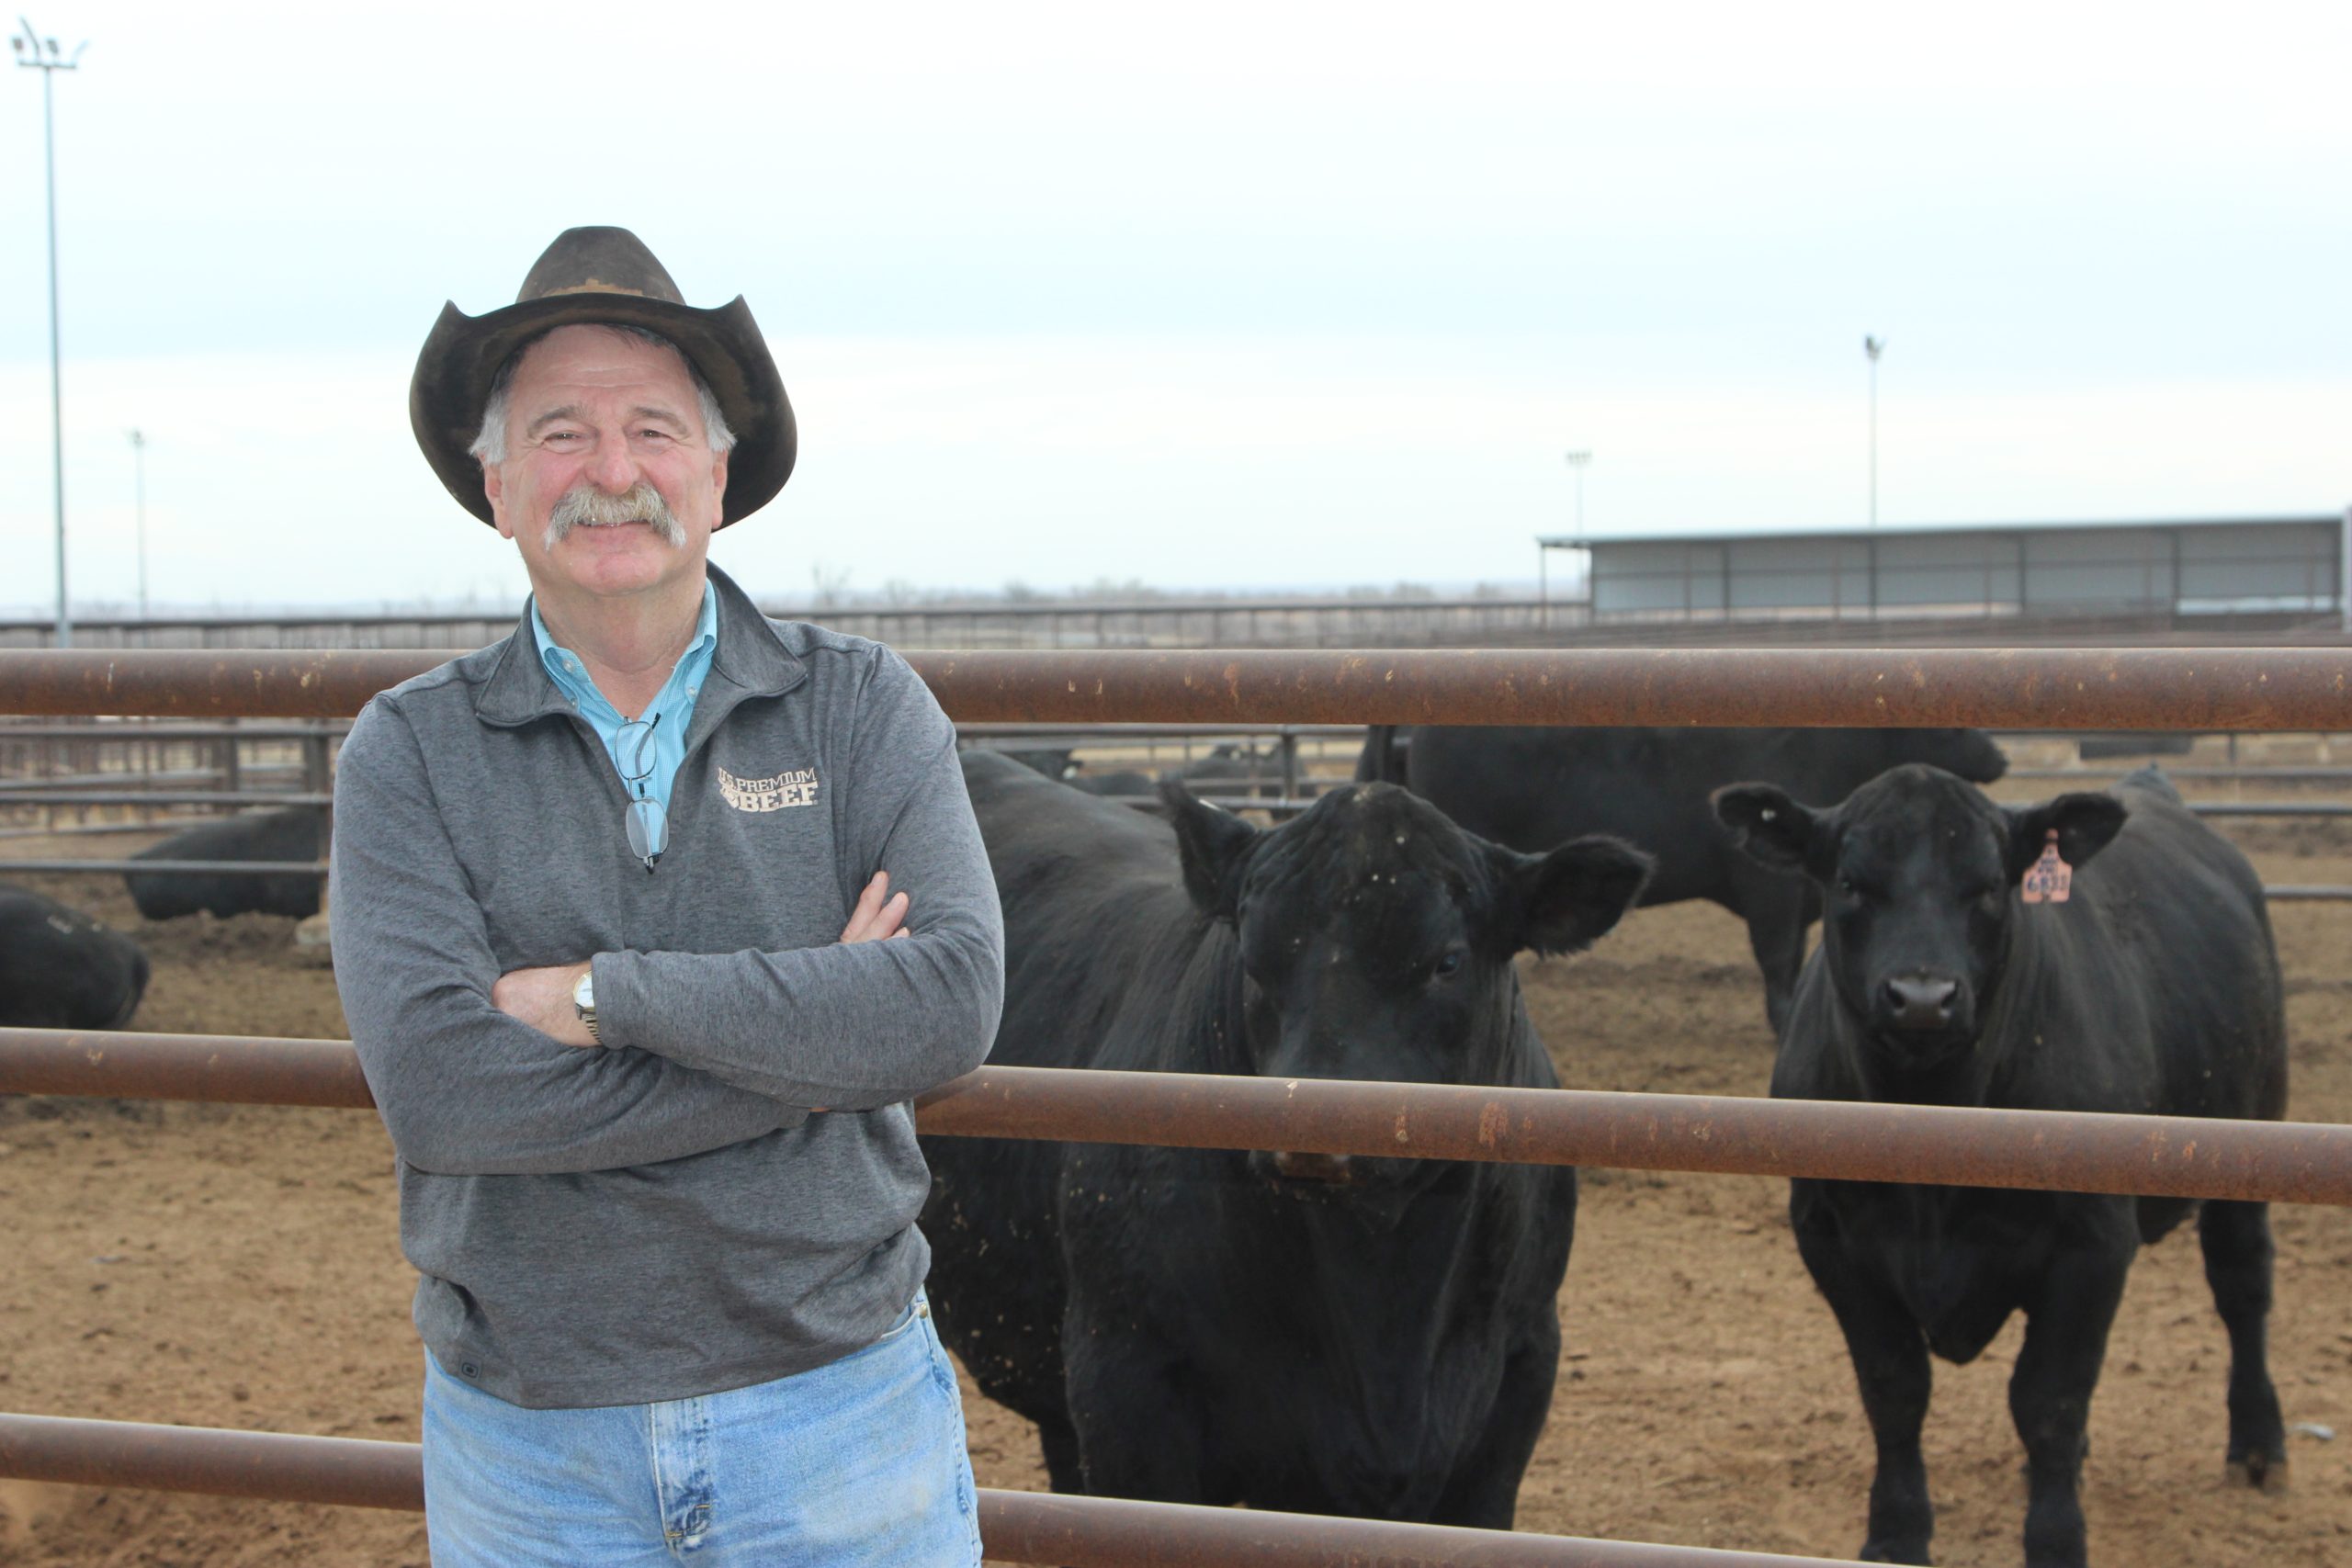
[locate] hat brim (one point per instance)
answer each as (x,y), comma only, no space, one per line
(462,356)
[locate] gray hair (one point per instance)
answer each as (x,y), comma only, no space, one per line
(489,445)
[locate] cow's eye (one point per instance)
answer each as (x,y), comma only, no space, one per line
(1448,965)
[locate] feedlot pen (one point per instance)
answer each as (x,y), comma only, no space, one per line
(238,1267)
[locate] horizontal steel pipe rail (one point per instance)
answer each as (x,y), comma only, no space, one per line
(176,867)
(143,782)
(2246,689)
(1108,1533)
(1015,1527)
(2167,688)
(221,1068)
(2294,1162)
(2283,774)
(347,1471)
(2043,1150)
(2270,809)
(206,683)
(164,797)
(76,830)
(162,729)
(999,731)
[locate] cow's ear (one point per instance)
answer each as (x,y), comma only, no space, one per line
(2084,823)
(1565,901)
(1771,826)
(1212,844)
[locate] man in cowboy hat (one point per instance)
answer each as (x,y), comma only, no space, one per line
(611,902)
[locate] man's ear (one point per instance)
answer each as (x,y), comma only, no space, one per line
(717,490)
(493,485)
(1766,822)
(1213,845)
(1565,901)
(2084,823)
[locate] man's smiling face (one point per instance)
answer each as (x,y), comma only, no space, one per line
(592,416)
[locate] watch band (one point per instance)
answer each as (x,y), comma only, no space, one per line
(584,1004)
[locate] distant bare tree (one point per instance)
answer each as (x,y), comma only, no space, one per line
(831,585)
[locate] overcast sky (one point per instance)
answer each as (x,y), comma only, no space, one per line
(1204,295)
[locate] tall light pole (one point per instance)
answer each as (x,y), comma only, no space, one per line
(1577,460)
(37,53)
(139,468)
(1873,346)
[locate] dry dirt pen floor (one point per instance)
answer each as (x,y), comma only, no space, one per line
(240,1267)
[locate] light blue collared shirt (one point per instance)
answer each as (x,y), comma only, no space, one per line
(674,703)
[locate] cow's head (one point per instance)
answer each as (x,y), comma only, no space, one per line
(1374,938)
(1919,876)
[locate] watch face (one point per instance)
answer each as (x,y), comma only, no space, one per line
(583,995)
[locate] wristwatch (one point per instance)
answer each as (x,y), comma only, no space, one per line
(583,1002)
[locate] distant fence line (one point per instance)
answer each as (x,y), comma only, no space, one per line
(1236,623)
(1150,623)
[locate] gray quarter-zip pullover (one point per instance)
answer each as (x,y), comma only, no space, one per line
(663,1217)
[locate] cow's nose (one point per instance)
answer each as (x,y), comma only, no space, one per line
(1921,1002)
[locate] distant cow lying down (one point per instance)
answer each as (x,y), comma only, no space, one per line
(1355,1336)
(290,835)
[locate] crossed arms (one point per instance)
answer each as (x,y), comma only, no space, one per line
(703,1050)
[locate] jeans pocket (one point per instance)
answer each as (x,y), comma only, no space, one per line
(917,1309)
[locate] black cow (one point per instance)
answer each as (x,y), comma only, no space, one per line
(2152,988)
(1532,787)
(1119,781)
(61,969)
(1065,766)
(257,835)
(1370,1336)
(1056,763)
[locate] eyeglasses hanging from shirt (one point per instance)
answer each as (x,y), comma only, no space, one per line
(648,823)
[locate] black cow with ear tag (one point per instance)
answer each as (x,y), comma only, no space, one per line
(1315,1333)
(2101,952)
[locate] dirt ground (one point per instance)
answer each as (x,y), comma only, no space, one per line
(240,1267)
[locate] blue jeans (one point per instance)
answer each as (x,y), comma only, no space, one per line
(857,1464)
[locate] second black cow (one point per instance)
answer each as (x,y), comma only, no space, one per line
(1370,1336)
(1530,787)
(2101,953)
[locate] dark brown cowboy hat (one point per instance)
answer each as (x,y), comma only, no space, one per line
(603,274)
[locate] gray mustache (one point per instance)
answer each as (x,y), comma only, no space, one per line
(583,502)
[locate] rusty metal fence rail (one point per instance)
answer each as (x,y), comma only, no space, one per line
(2287,1162)
(2205,689)
(1018,1526)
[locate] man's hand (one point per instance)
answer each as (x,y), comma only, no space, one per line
(542,998)
(880,912)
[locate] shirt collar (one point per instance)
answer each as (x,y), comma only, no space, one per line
(564,669)
(749,658)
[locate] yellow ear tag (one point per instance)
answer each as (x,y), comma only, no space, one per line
(2048,880)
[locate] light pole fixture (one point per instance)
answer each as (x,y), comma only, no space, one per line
(37,53)
(1873,346)
(1577,460)
(139,468)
